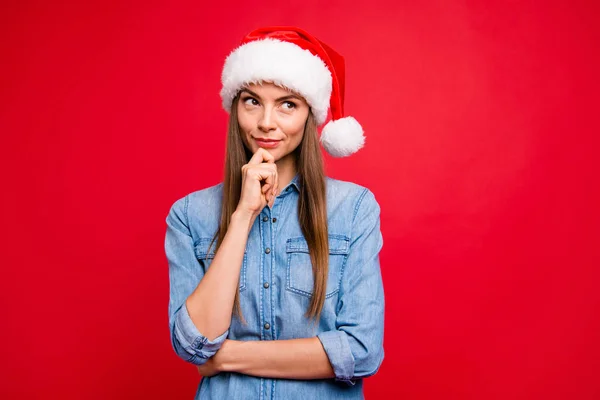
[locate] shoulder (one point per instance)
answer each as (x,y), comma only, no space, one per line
(350,196)
(355,213)
(207,197)
(337,188)
(200,208)
(202,197)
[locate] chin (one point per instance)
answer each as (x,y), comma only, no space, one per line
(274,152)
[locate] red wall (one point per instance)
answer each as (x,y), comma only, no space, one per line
(481,123)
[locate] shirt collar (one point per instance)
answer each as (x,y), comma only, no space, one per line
(296,182)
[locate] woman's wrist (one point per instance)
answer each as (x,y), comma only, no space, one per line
(226,356)
(244,218)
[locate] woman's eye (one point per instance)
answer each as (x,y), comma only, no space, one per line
(288,105)
(251,101)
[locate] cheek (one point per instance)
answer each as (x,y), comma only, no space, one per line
(296,136)
(245,131)
(246,123)
(294,127)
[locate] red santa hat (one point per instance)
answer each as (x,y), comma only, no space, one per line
(292,58)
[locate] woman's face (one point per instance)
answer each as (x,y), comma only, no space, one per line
(271,117)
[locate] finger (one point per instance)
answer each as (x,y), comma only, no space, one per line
(273,178)
(261,174)
(272,199)
(256,157)
(260,156)
(269,177)
(267,156)
(265,188)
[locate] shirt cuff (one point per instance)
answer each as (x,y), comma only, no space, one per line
(337,347)
(197,347)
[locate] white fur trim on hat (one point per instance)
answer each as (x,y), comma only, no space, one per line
(284,64)
(342,137)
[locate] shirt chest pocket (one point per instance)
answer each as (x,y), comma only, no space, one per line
(299,266)
(205,258)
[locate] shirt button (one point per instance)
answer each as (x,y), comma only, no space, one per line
(274,219)
(266,285)
(265,218)
(267,326)
(267,250)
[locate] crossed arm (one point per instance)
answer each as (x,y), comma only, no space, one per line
(289,359)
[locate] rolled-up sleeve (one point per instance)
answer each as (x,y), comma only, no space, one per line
(355,348)
(185,273)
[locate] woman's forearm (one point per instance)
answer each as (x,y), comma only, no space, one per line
(210,305)
(288,359)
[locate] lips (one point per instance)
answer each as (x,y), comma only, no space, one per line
(266,140)
(267,143)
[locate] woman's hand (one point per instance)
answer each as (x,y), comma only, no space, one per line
(215,364)
(260,183)
(209,368)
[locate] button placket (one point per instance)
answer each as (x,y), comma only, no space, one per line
(267,299)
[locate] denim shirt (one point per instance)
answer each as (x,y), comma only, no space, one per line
(275,286)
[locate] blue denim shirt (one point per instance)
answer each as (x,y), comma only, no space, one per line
(275,287)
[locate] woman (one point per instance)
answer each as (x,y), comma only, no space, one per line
(292,305)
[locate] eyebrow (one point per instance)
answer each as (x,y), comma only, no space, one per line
(290,96)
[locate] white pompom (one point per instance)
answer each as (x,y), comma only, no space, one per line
(342,137)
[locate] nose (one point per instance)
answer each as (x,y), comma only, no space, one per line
(266,122)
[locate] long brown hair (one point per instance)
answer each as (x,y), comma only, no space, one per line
(312,205)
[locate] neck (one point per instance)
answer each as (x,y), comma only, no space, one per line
(286,170)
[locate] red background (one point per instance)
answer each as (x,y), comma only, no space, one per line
(481,123)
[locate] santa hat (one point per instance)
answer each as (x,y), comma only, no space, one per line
(292,58)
